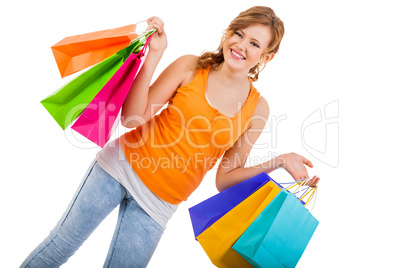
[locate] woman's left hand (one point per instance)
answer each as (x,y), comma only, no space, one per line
(295,165)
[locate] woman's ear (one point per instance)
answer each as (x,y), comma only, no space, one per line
(265,58)
(269,57)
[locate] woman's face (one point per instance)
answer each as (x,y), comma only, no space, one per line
(243,50)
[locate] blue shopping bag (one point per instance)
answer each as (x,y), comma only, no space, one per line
(212,209)
(279,235)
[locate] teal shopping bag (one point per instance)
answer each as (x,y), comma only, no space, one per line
(279,235)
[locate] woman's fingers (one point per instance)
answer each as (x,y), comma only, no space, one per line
(296,166)
(155,22)
(313,182)
(307,162)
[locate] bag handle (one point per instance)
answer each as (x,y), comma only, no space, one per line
(145,37)
(138,32)
(144,48)
(142,34)
(309,192)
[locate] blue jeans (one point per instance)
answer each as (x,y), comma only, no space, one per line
(135,238)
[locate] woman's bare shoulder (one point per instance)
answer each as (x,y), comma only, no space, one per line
(188,65)
(188,61)
(262,109)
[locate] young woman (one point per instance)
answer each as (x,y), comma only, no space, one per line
(214,112)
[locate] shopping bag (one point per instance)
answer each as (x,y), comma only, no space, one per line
(279,235)
(212,209)
(218,239)
(75,53)
(65,104)
(98,118)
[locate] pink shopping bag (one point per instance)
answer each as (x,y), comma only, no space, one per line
(98,118)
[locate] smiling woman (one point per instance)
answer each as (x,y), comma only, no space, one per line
(214,112)
(257,16)
(248,46)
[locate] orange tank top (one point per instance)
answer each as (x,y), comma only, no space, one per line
(173,151)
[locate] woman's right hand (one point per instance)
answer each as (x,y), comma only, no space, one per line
(159,39)
(295,165)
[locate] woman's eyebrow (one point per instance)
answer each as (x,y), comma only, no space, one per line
(253,39)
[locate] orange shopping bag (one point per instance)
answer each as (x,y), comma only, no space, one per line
(75,53)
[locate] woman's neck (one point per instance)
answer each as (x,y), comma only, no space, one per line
(228,77)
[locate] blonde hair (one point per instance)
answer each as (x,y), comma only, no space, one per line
(258,14)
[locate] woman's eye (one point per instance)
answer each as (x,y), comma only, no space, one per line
(239,34)
(255,44)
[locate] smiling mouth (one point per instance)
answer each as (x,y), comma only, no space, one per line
(236,55)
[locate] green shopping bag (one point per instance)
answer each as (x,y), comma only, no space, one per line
(67,103)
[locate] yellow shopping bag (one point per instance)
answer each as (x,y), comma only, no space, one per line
(218,239)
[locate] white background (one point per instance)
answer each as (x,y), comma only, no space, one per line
(344,54)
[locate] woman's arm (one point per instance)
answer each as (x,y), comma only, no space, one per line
(231,168)
(137,98)
(143,100)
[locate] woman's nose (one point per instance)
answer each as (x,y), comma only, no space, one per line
(242,45)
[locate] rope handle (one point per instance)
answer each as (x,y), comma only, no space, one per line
(144,48)
(145,37)
(141,34)
(308,192)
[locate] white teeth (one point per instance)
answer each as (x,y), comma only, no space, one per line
(237,55)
